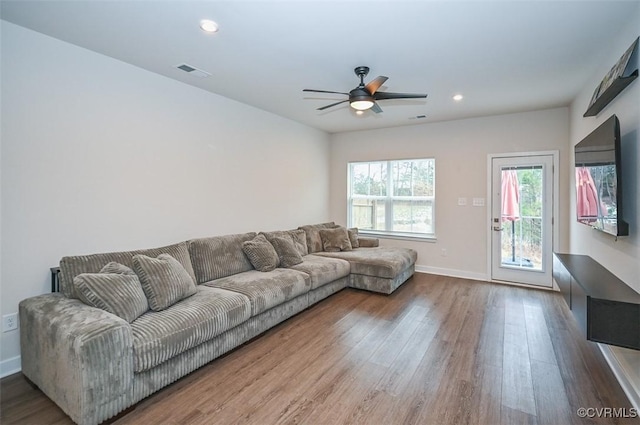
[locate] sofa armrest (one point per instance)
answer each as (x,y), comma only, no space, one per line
(79,356)
(365,242)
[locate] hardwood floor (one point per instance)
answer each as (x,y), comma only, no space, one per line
(438,351)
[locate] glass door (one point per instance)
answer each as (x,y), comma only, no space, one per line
(521,219)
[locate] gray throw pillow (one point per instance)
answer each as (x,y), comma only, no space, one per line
(287,252)
(336,239)
(261,253)
(368,242)
(298,236)
(117,268)
(119,294)
(353,237)
(164,280)
(314,242)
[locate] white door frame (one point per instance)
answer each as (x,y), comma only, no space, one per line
(555,234)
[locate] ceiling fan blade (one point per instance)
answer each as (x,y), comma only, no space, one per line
(375,84)
(386,95)
(325,91)
(333,104)
(376,108)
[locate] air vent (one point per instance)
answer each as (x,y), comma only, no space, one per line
(193,71)
(418,117)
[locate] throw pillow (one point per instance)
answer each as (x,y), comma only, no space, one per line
(261,253)
(164,280)
(119,294)
(287,252)
(336,239)
(117,268)
(353,237)
(314,242)
(298,236)
(368,242)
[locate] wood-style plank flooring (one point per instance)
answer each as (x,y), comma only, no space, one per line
(438,351)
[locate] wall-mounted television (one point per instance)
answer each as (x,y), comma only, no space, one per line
(599,180)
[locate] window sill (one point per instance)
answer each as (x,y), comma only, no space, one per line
(398,236)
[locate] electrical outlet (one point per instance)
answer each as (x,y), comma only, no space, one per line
(9,322)
(443,252)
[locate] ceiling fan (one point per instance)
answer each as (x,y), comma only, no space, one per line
(364,96)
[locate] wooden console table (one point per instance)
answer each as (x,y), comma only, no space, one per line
(606,309)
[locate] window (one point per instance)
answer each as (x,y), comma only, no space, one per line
(393,197)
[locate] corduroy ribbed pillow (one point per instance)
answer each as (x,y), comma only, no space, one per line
(353,237)
(336,239)
(118,292)
(164,280)
(261,253)
(287,252)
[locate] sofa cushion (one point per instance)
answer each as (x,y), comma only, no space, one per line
(266,290)
(261,253)
(380,262)
(119,294)
(219,256)
(288,255)
(163,279)
(336,239)
(353,237)
(72,266)
(159,336)
(314,242)
(298,236)
(323,270)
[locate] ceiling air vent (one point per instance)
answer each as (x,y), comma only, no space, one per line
(192,70)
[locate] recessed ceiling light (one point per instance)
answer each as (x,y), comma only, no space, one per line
(458,97)
(208,25)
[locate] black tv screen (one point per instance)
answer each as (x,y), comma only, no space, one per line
(598,179)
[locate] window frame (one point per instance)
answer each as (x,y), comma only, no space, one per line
(389,199)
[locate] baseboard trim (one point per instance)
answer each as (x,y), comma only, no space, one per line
(619,370)
(10,366)
(451,273)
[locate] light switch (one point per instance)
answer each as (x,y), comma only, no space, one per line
(478,202)
(462,201)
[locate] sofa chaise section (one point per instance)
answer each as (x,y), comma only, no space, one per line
(377,269)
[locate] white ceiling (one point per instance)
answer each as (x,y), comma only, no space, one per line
(504,56)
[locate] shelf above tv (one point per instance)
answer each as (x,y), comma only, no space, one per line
(610,93)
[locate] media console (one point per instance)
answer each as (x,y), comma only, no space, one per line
(606,308)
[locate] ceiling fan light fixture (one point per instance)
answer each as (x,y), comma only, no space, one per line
(207,25)
(360,99)
(361,105)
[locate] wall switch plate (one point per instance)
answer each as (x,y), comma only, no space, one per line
(9,322)
(462,201)
(478,202)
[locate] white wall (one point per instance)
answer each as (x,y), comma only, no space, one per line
(460,149)
(98,155)
(621,257)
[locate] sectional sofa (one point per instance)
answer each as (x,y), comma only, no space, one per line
(127,324)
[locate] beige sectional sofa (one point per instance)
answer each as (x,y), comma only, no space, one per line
(94,363)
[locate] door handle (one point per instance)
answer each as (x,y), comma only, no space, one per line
(497,229)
